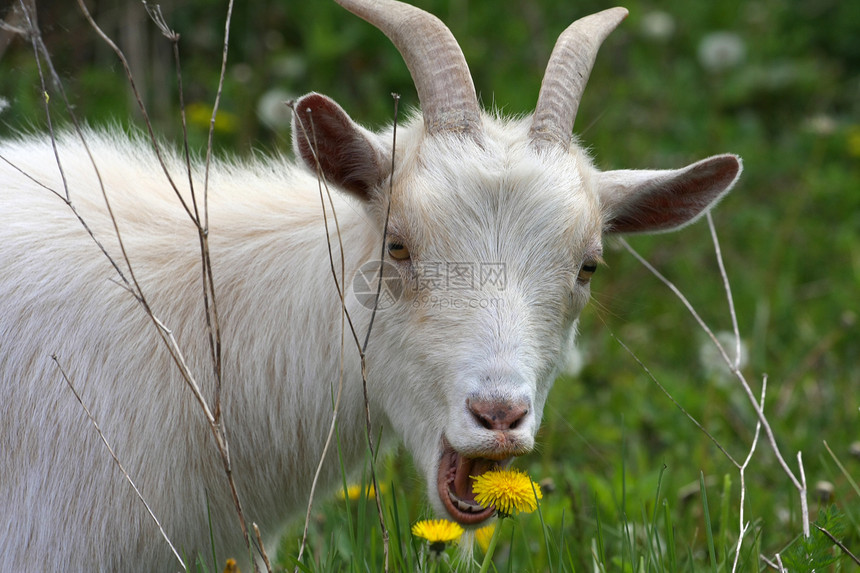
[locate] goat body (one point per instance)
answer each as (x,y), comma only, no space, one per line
(494,229)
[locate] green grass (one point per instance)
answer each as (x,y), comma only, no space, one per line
(573,531)
(636,486)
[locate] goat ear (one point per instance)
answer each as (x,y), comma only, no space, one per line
(639,201)
(326,138)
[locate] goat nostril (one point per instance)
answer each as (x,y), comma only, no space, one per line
(516,423)
(498,415)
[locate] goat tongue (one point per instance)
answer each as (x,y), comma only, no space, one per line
(466,469)
(455,485)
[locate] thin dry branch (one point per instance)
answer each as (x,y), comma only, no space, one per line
(214,419)
(261,547)
(35,35)
(742,471)
(325,192)
(321,182)
(210,306)
(802,490)
(779,563)
(728,288)
(15,23)
(838,543)
(363,350)
(154,140)
(208,280)
(798,484)
(674,401)
(131,283)
(39,46)
(396,98)
(116,460)
(36,41)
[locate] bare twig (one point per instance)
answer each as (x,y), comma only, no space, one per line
(344,316)
(325,192)
(208,280)
(116,460)
(728,288)
(154,140)
(674,401)
(779,563)
(131,283)
(209,299)
(396,98)
(363,350)
(215,112)
(39,47)
(202,226)
(804,502)
(736,372)
(12,25)
(214,418)
(261,547)
(35,40)
(838,543)
(742,472)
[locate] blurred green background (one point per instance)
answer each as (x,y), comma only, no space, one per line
(775,81)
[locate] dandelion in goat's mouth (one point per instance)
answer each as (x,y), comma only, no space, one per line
(508,491)
(439,532)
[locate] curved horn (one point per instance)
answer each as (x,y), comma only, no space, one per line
(437,65)
(566,75)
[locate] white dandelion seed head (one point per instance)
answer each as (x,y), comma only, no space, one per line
(712,361)
(657,25)
(272,108)
(821,124)
(721,51)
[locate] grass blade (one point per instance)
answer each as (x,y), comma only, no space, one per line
(724,517)
(708,529)
(670,537)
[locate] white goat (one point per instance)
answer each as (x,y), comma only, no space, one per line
(495,229)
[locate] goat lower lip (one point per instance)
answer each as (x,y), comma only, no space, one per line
(454,487)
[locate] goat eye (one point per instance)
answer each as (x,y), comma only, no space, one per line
(398,251)
(586,271)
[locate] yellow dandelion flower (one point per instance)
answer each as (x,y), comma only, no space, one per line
(353,492)
(437,530)
(509,491)
(484,535)
(200,114)
(232,567)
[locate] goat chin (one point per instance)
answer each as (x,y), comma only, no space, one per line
(493,228)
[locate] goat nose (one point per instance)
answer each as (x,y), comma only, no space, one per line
(498,414)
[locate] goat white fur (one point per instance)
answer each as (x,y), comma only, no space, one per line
(461,384)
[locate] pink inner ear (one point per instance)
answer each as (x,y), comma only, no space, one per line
(664,200)
(344,151)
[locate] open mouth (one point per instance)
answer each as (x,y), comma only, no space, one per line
(454,483)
